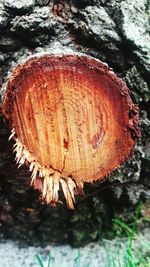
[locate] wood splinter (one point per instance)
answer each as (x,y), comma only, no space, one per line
(72,121)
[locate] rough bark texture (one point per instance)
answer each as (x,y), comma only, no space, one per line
(115,32)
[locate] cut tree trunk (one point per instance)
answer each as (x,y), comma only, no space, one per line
(72,120)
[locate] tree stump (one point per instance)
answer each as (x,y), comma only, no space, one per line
(72,120)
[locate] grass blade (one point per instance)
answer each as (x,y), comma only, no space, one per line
(39,260)
(78,258)
(49,259)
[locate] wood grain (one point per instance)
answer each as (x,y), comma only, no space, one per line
(72,114)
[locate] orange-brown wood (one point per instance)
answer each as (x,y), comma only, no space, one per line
(72,116)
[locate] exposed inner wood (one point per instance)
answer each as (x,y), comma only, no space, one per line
(71,118)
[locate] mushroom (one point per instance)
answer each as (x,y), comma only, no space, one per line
(72,121)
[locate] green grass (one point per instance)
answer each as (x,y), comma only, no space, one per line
(124,253)
(49,260)
(41,263)
(78,258)
(131,255)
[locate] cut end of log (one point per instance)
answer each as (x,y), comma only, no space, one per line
(72,121)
